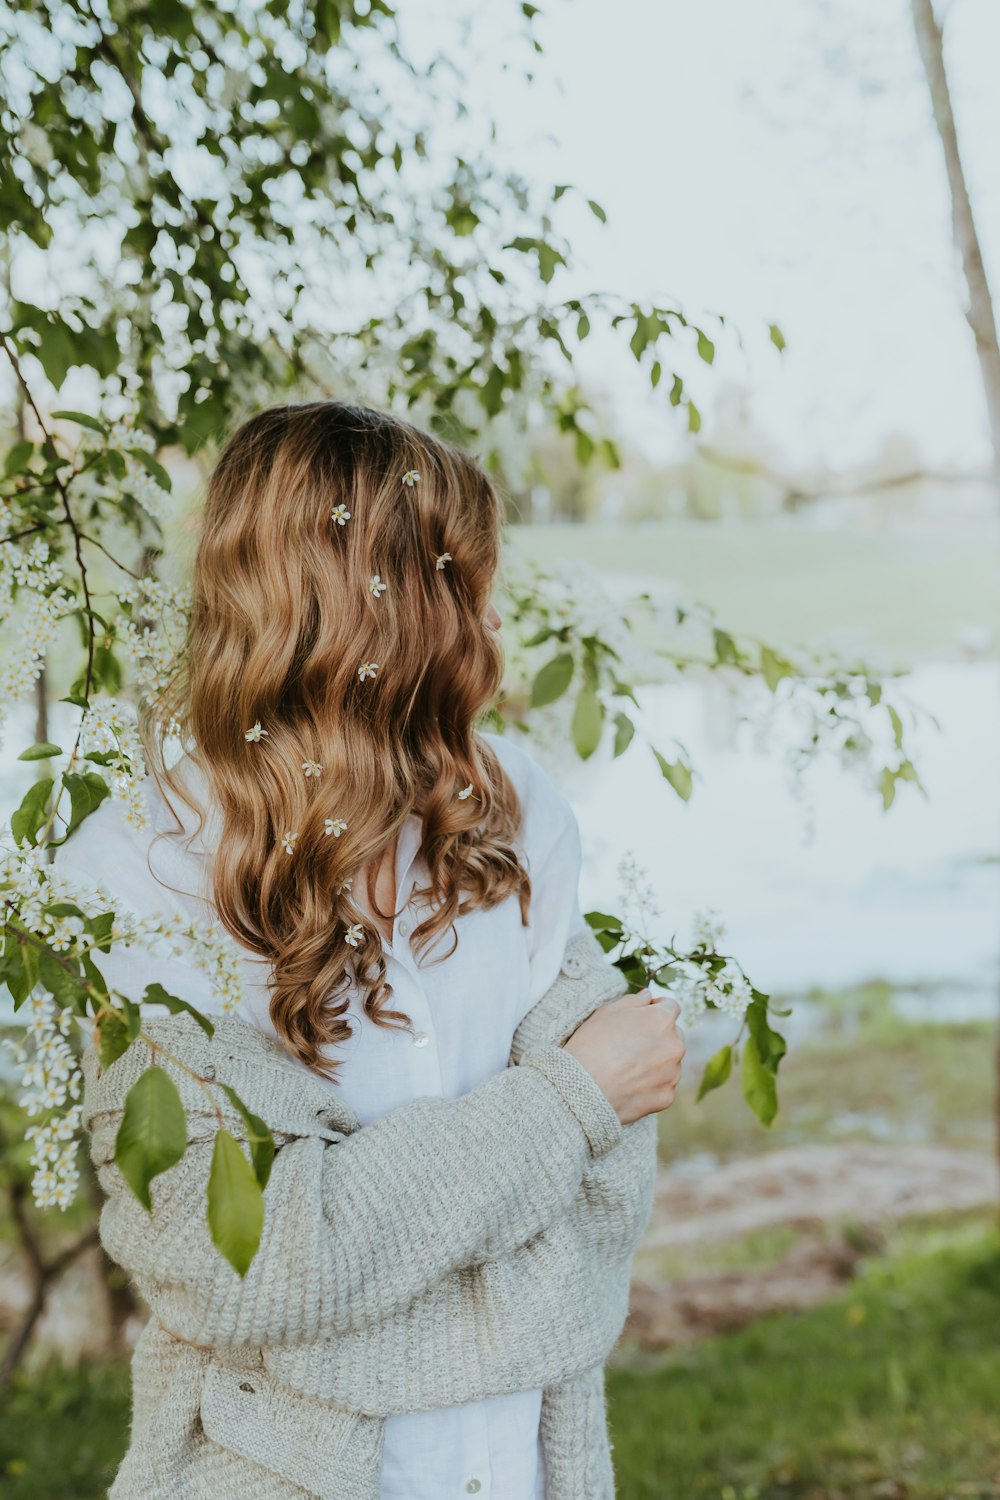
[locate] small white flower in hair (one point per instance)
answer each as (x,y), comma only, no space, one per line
(256,733)
(335,826)
(439,562)
(311,768)
(288,842)
(353,934)
(367,669)
(466,792)
(411,477)
(376,585)
(340,514)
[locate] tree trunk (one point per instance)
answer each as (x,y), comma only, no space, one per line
(979,311)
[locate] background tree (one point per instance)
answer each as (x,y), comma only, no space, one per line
(979,312)
(205,210)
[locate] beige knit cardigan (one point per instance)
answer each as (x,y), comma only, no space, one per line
(449,1251)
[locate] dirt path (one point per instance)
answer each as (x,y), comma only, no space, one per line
(838,1197)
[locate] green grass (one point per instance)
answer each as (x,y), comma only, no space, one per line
(893,1383)
(911,591)
(864,1075)
(64,1431)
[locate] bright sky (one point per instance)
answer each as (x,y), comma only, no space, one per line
(769,161)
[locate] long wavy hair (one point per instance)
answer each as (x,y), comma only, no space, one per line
(290,629)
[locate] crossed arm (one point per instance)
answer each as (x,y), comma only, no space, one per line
(507,1217)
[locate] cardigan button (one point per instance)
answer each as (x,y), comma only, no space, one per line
(245,1386)
(210,1071)
(473,1487)
(572,965)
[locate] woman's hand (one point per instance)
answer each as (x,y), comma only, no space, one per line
(632,1048)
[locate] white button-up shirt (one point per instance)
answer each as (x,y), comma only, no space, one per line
(463,1012)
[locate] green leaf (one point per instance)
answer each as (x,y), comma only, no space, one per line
(694,418)
(624,732)
(235,1203)
(95,978)
(152,466)
(18,458)
(491,391)
(706,349)
(42,751)
(597,210)
(63,982)
(602,921)
(56,352)
(725,646)
(155,994)
(259,1135)
(759,1086)
(584,445)
(540,636)
(588,721)
(87,791)
(63,909)
(116,1033)
(553,680)
(82,419)
(774,667)
(29,817)
(777,337)
(152,1135)
(887,786)
(717,1070)
(677,773)
(771,1046)
(20,961)
(897,725)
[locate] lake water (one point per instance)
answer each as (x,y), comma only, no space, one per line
(911,895)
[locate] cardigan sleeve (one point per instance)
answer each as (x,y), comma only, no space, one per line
(357,1228)
(555,1306)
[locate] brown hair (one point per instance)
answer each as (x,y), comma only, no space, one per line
(283,616)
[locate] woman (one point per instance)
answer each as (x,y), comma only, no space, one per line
(463,1099)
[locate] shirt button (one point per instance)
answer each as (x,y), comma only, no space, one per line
(473,1487)
(404,927)
(420,1039)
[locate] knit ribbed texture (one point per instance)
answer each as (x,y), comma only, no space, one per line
(598,1120)
(449,1251)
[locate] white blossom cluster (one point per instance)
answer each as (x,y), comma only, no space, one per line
(573,594)
(50,1077)
(694,989)
(638,896)
(692,985)
(109,725)
(153,650)
(29,584)
(123,434)
(50,1074)
(797,717)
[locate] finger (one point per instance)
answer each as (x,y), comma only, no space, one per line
(668,1001)
(640,997)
